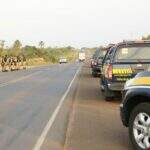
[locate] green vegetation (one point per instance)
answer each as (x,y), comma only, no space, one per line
(146,37)
(39,55)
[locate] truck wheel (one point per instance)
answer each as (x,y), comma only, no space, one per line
(108,94)
(101,85)
(102,88)
(94,74)
(139,127)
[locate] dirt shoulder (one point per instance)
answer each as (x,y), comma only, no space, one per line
(94,123)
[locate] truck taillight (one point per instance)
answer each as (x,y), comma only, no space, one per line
(109,71)
(95,63)
(92,62)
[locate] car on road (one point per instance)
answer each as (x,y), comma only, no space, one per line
(97,61)
(135,110)
(121,63)
(63,60)
(94,57)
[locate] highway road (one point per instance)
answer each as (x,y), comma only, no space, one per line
(58,107)
(30,101)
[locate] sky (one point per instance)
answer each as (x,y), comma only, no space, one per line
(79,23)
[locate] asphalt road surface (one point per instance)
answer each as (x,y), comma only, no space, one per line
(58,107)
(28,99)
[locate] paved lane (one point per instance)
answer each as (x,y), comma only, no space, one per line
(27,103)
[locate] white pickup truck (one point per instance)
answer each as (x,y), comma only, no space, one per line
(62,60)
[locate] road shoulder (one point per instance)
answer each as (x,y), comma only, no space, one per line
(94,124)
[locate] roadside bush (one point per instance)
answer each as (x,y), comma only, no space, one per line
(45,55)
(49,54)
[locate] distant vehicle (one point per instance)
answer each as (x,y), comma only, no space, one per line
(62,60)
(121,63)
(96,63)
(135,110)
(81,56)
(94,57)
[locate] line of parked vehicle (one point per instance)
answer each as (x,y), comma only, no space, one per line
(124,68)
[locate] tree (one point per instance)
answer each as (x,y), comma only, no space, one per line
(41,44)
(2,44)
(17,47)
(17,44)
(29,51)
(146,37)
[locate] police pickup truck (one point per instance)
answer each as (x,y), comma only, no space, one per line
(135,110)
(97,61)
(121,63)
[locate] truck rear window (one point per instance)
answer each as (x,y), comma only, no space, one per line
(133,54)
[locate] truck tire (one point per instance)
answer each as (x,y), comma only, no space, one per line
(102,88)
(108,95)
(94,74)
(139,127)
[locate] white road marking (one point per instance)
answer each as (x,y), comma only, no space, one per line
(19,79)
(42,137)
